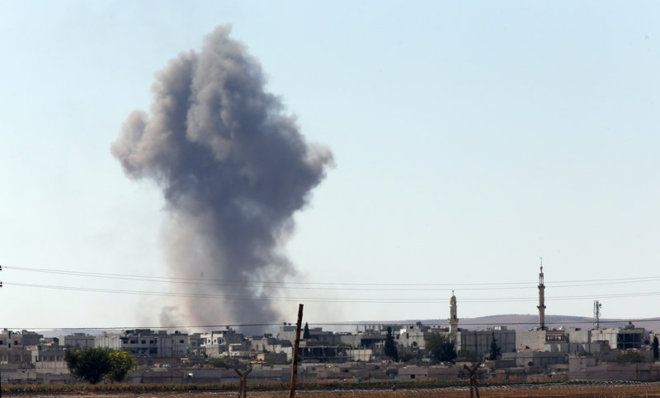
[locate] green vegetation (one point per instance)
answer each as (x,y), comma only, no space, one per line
(441,348)
(390,346)
(94,364)
(495,351)
(631,357)
(121,363)
(224,362)
(467,356)
(306,333)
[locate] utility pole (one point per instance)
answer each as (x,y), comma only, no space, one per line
(474,381)
(296,345)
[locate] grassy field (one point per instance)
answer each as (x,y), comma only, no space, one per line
(554,391)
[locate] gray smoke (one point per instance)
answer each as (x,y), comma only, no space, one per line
(233,169)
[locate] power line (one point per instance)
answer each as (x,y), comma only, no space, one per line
(231,296)
(362,286)
(215,281)
(388,300)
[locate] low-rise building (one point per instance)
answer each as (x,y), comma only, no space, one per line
(216,343)
(478,342)
(413,336)
(108,340)
(147,343)
(79,340)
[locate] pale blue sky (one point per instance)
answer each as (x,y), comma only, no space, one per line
(469,140)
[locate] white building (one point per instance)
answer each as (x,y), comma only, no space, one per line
(412,337)
(216,343)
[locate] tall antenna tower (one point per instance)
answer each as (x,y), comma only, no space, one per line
(597,307)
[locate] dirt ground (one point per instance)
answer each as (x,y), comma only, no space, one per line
(556,391)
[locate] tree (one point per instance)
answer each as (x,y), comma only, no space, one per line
(495,351)
(390,346)
(306,333)
(121,363)
(656,347)
(441,348)
(93,364)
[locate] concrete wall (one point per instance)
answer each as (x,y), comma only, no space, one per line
(608,335)
(530,339)
(580,368)
(537,359)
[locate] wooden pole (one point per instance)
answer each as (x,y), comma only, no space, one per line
(296,345)
(474,383)
(242,387)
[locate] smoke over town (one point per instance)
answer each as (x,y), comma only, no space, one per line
(233,168)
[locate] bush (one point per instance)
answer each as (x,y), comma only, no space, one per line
(441,348)
(631,357)
(121,363)
(224,362)
(93,364)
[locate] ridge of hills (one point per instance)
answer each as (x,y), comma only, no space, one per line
(522,322)
(518,322)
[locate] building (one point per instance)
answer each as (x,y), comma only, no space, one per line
(196,348)
(477,342)
(107,340)
(147,343)
(631,337)
(80,340)
(412,337)
(216,343)
(627,338)
(10,338)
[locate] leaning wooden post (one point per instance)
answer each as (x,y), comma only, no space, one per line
(242,387)
(296,345)
(474,383)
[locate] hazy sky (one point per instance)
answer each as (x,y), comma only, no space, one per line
(469,140)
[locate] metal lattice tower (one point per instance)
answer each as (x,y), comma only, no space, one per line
(597,307)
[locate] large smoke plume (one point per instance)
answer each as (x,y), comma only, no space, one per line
(233,168)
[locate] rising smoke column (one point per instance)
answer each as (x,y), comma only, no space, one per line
(233,169)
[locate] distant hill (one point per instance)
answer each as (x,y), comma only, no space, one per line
(511,321)
(527,322)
